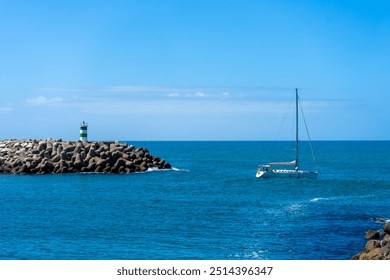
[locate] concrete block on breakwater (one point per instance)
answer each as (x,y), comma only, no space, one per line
(57,156)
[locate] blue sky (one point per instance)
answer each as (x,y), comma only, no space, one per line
(194,70)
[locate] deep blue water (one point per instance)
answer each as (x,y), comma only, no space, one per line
(212,208)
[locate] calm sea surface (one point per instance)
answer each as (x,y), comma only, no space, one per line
(211,207)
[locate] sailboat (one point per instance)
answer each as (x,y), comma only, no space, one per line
(288,169)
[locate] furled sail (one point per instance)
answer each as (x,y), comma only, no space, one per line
(288,163)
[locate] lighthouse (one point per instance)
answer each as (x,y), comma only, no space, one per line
(83,131)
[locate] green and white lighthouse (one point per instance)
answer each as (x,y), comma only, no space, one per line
(83,131)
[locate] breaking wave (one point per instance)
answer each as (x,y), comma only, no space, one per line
(153,169)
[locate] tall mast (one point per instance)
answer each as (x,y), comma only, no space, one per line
(296,128)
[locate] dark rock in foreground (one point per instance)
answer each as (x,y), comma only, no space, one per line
(57,156)
(377,246)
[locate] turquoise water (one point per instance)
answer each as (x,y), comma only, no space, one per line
(210,207)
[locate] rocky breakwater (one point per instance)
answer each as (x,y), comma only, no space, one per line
(57,156)
(377,246)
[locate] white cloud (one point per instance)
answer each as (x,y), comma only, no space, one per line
(123,89)
(173,94)
(59,89)
(225,94)
(44,101)
(135,89)
(199,94)
(178,106)
(6,109)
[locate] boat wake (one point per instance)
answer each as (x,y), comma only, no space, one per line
(317,199)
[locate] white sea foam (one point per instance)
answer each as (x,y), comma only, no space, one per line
(339,198)
(381,220)
(294,207)
(181,170)
(257,255)
(318,199)
(153,169)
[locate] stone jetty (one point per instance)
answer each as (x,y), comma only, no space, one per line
(377,246)
(57,156)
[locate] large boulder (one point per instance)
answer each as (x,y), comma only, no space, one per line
(372,234)
(386,228)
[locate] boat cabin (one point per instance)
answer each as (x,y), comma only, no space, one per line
(265,168)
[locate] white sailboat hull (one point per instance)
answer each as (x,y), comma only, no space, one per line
(287,173)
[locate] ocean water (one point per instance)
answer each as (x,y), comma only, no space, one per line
(210,207)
